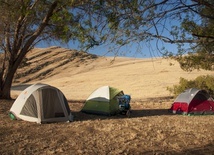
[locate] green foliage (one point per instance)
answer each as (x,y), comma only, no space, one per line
(194,37)
(200,30)
(200,60)
(201,82)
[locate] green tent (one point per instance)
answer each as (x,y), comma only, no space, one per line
(103,101)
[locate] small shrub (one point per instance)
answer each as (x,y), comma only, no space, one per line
(205,82)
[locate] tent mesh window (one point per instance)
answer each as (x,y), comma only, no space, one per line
(51,104)
(30,108)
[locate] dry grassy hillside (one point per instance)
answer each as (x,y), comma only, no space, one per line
(150,130)
(77,74)
(45,62)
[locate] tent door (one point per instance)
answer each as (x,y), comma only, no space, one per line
(51,104)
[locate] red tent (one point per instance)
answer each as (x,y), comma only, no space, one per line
(193,101)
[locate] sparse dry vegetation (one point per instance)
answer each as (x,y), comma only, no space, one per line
(150,130)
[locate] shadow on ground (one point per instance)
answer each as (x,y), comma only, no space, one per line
(76,107)
(80,116)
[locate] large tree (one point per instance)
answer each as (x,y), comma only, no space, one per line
(24,23)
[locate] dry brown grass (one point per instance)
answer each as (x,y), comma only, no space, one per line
(149,130)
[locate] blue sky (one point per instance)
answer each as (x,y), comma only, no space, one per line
(135,50)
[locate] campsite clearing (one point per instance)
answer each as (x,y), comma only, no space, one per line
(150,130)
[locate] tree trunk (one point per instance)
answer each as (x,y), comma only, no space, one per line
(7,82)
(5,91)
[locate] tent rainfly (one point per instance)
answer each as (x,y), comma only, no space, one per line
(41,103)
(193,101)
(103,101)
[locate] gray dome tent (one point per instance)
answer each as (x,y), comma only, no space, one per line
(41,103)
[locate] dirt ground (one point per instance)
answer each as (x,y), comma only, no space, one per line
(150,129)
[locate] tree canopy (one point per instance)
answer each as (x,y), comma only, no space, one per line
(25,23)
(201,54)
